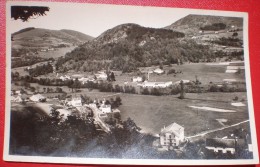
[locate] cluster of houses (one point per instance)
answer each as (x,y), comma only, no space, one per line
(101,75)
(47,49)
(34,98)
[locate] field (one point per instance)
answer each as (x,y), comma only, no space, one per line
(205,73)
(153,113)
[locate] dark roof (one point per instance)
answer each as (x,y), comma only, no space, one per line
(224,143)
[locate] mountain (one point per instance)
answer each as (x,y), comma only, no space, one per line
(82,37)
(192,24)
(126,47)
(46,43)
(129,46)
(31,37)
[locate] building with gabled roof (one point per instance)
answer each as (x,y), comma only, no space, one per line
(219,145)
(171,136)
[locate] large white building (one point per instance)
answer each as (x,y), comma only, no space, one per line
(171,136)
(147,84)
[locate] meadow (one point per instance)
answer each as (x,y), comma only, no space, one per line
(152,113)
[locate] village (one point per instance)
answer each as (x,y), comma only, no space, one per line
(105,109)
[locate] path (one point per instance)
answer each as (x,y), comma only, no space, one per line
(215,130)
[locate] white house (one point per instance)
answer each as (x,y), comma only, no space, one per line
(171,136)
(16,99)
(101,75)
(83,80)
(137,79)
(63,78)
(38,98)
(147,84)
(185,81)
(76,102)
(158,71)
(105,108)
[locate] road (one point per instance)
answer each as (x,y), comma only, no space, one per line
(96,113)
(215,130)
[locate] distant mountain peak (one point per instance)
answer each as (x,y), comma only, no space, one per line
(193,23)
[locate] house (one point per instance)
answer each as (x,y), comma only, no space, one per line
(184,81)
(18,92)
(76,102)
(224,146)
(147,84)
(63,78)
(16,99)
(83,80)
(137,79)
(105,108)
(171,136)
(101,75)
(158,71)
(38,98)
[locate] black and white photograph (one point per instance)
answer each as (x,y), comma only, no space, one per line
(116,84)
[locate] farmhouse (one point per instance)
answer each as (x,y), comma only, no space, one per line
(63,78)
(224,145)
(158,71)
(105,108)
(38,98)
(76,102)
(171,136)
(184,81)
(101,75)
(147,84)
(137,79)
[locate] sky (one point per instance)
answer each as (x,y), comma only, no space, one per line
(93,19)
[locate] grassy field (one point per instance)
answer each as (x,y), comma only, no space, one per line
(153,113)
(205,73)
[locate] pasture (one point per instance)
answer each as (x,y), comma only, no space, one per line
(152,113)
(205,73)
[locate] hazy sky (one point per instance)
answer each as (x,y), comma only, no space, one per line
(94,19)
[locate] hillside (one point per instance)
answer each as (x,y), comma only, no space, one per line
(37,37)
(194,38)
(129,46)
(46,43)
(223,35)
(192,24)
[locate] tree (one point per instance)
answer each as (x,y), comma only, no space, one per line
(27,12)
(235,34)
(112,76)
(182,93)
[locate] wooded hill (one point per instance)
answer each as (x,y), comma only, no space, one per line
(128,46)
